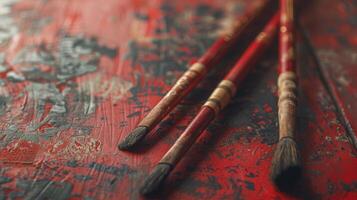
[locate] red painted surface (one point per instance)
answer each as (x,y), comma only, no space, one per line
(79,75)
(335,44)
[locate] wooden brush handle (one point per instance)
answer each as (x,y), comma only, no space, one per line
(184,85)
(287,81)
(189,136)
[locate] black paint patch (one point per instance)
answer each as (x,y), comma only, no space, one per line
(81,177)
(249,185)
(4,100)
(36,75)
(134,114)
(4,179)
(195,187)
(72,163)
(117,171)
(93,44)
(331,187)
(205,10)
(237,189)
(352,187)
(141,16)
(251,175)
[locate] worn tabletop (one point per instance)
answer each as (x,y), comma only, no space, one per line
(77,75)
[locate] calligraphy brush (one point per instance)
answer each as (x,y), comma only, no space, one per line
(216,102)
(196,73)
(286,165)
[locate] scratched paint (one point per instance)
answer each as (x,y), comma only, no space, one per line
(77,76)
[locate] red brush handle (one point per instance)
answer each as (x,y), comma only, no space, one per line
(222,94)
(189,136)
(198,70)
(286,37)
(287,81)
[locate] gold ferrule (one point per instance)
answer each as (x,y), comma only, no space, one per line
(262,37)
(221,96)
(287,104)
(198,68)
(185,81)
(286,76)
(228,33)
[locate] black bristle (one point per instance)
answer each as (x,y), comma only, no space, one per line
(133,138)
(286,166)
(155,179)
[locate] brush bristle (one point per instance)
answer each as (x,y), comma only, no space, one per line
(286,165)
(133,138)
(155,179)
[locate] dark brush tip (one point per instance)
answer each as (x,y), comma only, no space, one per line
(155,179)
(133,138)
(286,166)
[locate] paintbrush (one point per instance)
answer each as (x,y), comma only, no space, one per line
(220,97)
(286,165)
(196,72)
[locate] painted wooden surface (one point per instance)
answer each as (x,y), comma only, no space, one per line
(77,76)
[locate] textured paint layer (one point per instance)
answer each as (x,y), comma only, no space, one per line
(77,76)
